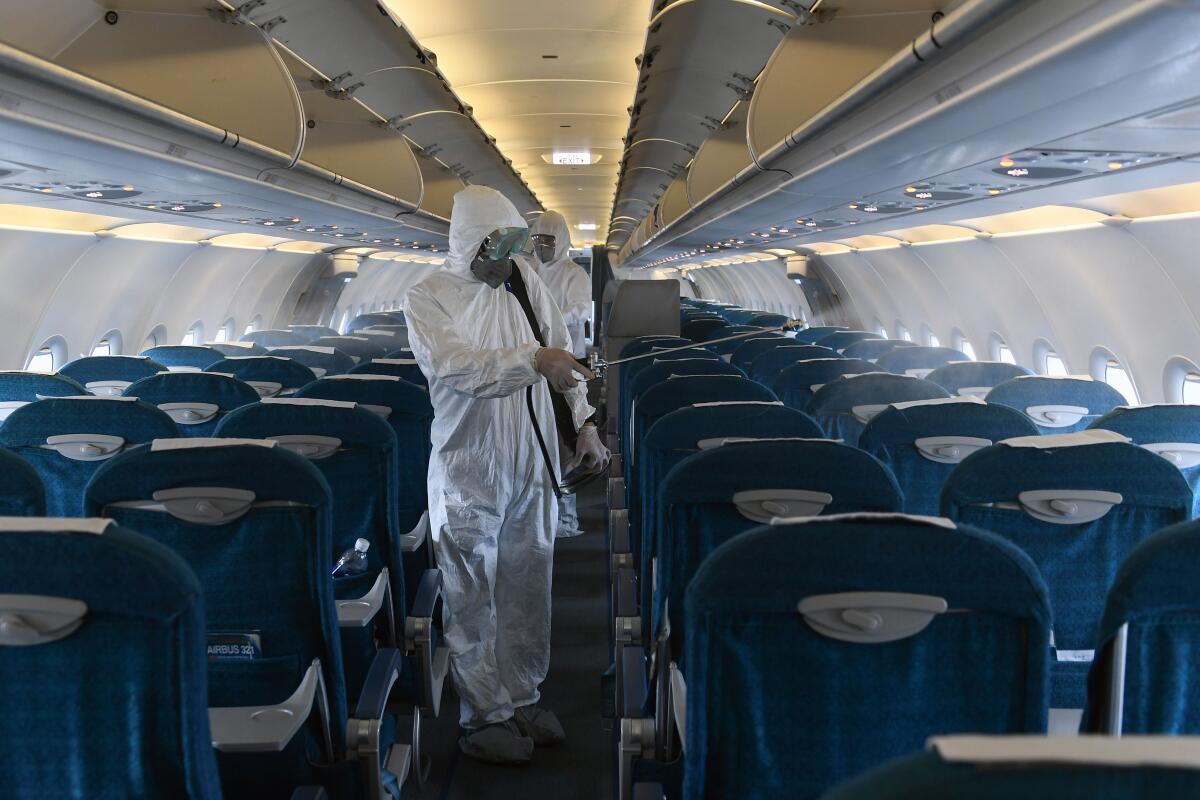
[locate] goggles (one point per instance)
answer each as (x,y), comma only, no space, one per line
(502,243)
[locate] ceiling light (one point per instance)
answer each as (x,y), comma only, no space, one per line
(1115,165)
(810,224)
(993,191)
(918,208)
(47,190)
(126,188)
(1006,162)
(94,195)
(297,219)
(870,209)
(268,223)
(310,230)
(854,205)
(1018,172)
(178,208)
(587,226)
(911,189)
(216,205)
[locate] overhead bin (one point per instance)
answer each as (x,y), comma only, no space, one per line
(674,201)
(722,156)
(440,187)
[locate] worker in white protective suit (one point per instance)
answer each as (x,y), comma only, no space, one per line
(571,289)
(492,506)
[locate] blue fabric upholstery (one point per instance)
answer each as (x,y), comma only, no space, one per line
(695,511)
(727,348)
(239,349)
(892,435)
(752,348)
(194,387)
(128,369)
(375,318)
(929,776)
(321,363)
(289,374)
(700,329)
(184,355)
(410,415)
(832,406)
(29,386)
(794,384)
(644,344)
(630,372)
(1156,593)
(276,337)
(816,333)
(872,349)
(955,377)
(313,332)
(117,708)
(767,366)
(389,340)
(360,348)
(903,359)
(769,319)
(409,371)
(1152,425)
(1078,561)
(840,340)
(776,709)
(659,371)
(264,573)
(21,492)
(26,431)
(1036,390)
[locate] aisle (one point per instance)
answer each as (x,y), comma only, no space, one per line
(581,768)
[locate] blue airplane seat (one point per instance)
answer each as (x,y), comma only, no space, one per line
(21,491)
(748,350)
(1035,768)
(797,384)
(813,335)
(103,666)
(321,360)
(375,318)
(975,378)
(313,332)
(19,388)
(109,375)
(923,441)
(359,348)
(766,366)
(919,361)
(276,337)
(817,649)
(871,349)
(406,368)
(1171,431)
(845,405)
(195,400)
(657,371)
(239,349)
(1057,405)
(269,375)
(841,339)
(700,329)
(389,340)
(1077,504)
(184,357)
(66,439)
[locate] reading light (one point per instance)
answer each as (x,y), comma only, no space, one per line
(1115,165)
(1006,162)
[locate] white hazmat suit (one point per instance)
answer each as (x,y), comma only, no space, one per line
(492,510)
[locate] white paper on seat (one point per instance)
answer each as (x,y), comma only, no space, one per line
(868,516)
(252,358)
(867,412)
(307,401)
(201,442)
(307,347)
(721,441)
(89,397)
(95,525)
(1123,751)
(737,403)
(362,376)
(938,401)
(356,338)
(918,372)
(974,391)
(243,345)
(1055,377)
(182,368)
(1078,439)
(395,362)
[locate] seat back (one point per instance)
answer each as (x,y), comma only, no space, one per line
(814,334)
(227,349)
(184,357)
(321,360)
(745,353)
(195,400)
(66,439)
(19,388)
(845,405)
(661,370)
(407,409)
(390,340)
(700,329)
(632,371)
(313,332)
(841,339)
(797,384)
(1059,767)
(276,337)
(1141,680)
(819,649)
(872,349)
(712,496)
(1171,431)
(254,522)
(974,378)
(923,441)
(1057,405)
(359,348)
(21,492)
(725,349)
(375,318)
(1077,504)
(102,664)
(269,376)
(109,375)
(406,369)
(919,361)
(766,366)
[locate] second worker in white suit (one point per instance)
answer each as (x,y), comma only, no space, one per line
(492,508)
(571,288)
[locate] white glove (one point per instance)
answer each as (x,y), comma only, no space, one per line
(559,368)
(590,454)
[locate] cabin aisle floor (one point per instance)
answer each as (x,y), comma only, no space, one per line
(580,769)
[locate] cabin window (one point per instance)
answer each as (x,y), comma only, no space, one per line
(1047,361)
(194,335)
(224,332)
(1053,365)
(1001,351)
(1191,388)
(345,321)
(254,325)
(155,338)
(41,361)
(109,345)
(962,344)
(931,339)
(902,332)
(1117,377)
(882,331)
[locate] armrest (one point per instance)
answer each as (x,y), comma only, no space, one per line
(632,665)
(679,704)
(412,541)
(364,730)
(358,612)
(433,661)
(384,671)
(310,793)
(647,791)
(269,729)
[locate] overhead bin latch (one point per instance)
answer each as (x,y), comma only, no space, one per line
(335,88)
(239,15)
(396,123)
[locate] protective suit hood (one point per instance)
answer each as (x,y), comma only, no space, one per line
(477,211)
(553,224)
